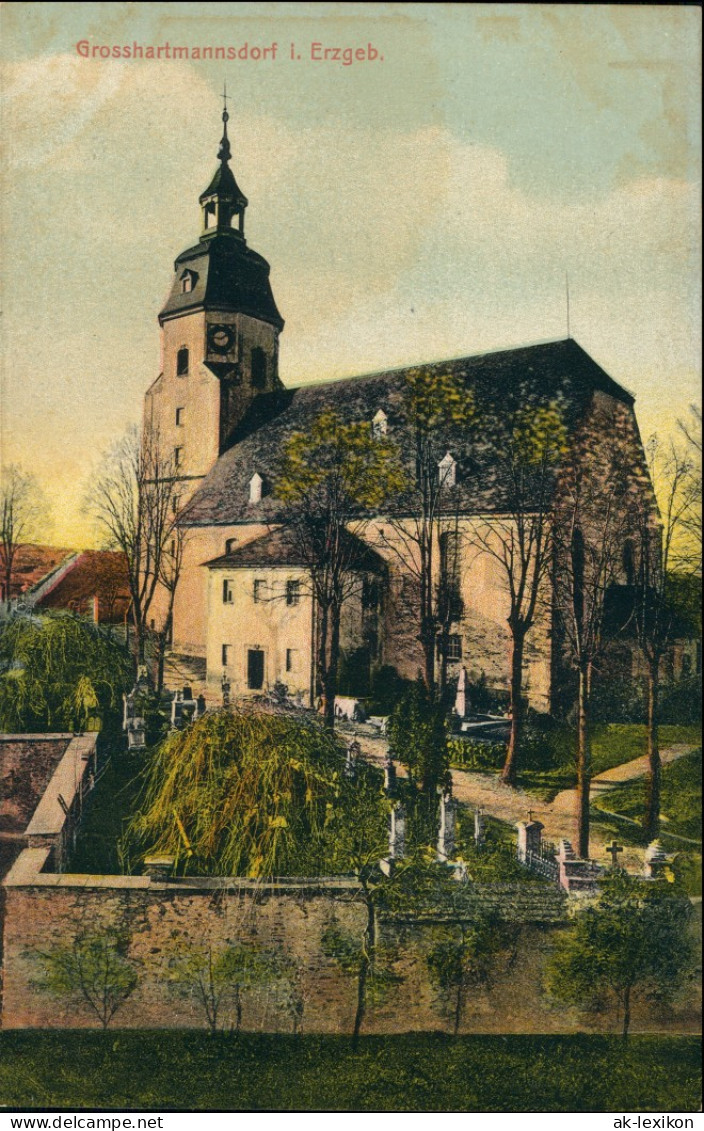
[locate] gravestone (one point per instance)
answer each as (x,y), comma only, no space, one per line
(479,827)
(446,833)
(529,839)
(389,776)
(656,860)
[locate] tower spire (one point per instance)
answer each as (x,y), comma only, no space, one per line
(224,152)
(223,202)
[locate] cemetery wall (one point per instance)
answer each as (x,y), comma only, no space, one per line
(46,911)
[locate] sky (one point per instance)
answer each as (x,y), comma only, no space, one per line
(428,202)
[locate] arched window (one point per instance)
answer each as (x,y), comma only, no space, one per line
(182,362)
(230,545)
(210,215)
(258,368)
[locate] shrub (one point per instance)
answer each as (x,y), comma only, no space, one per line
(58,672)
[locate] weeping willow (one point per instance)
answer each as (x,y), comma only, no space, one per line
(57,673)
(248,793)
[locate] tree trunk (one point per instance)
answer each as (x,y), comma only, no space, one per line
(584,768)
(238,1011)
(626,1012)
(458,1013)
(362,978)
(652,819)
(332,665)
(427,637)
(8,583)
(508,774)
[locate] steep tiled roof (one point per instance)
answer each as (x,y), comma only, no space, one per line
(552,372)
(278,549)
(228,276)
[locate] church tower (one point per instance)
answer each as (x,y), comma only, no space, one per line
(219,335)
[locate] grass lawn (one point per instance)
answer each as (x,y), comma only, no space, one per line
(412,1072)
(681,797)
(612,744)
(681,805)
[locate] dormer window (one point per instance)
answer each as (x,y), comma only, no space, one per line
(380,424)
(182,362)
(256,484)
(188,281)
(447,471)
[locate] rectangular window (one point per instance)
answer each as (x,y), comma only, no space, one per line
(179,416)
(293,592)
(226,652)
(260,590)
(227,592)
(178,457)
(290,659)
(454,647)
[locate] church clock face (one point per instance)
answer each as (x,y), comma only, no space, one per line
(220,338)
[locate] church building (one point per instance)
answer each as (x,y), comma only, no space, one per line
(244,604)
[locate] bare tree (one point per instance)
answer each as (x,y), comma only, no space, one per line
(170,566)
(131,500)
(23,514)
(520,539)
(687,550)
(657,548)
(589,525)
(437,410)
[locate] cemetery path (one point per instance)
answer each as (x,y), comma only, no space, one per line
(559,816)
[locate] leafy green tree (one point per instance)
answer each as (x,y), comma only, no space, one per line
(360,836)
(94,970)
(418,736)
(331,478)
(467,959)
(529,446)
(58,672)
(249,793)
(437,410)
(633,940)
(217,978)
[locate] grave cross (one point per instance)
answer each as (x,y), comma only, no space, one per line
(613,849)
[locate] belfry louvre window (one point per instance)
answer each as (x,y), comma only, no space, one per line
(258,368)
(293,592)
(182,362)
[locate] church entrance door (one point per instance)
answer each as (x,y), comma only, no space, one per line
(255,669)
